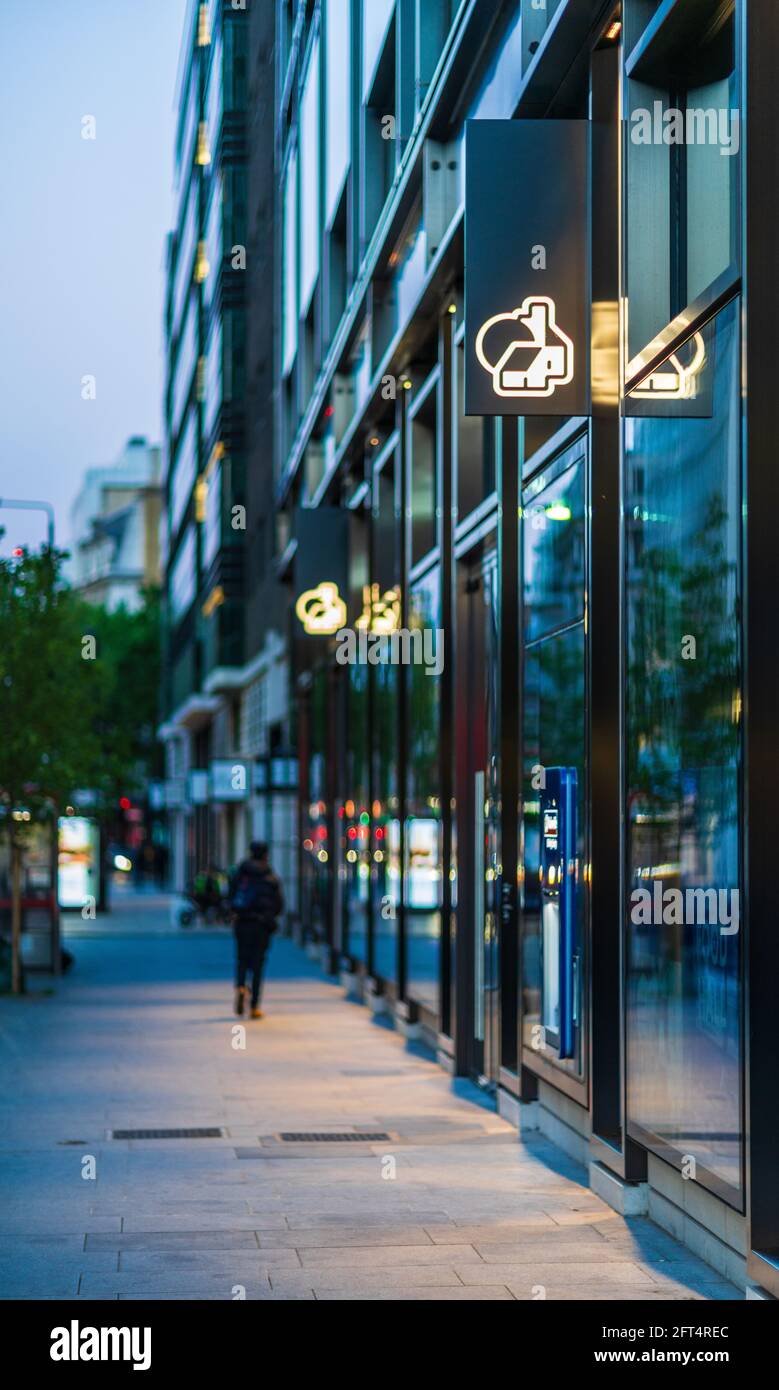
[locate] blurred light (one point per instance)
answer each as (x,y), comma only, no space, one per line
(203,27)
(406,384)
(558,512)
(122,862)
(17,552)
(614,30)
(351,856)
(374,442)
(308,844)
(322,855)
(329,412)
(125,803)
(349,809)
(202,266)
(452,309)
(202,153)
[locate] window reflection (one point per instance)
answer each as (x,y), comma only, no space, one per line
(423,808)
(683,711)
(554,708)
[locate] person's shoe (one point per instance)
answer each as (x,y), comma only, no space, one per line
(240,999)
(257,1013)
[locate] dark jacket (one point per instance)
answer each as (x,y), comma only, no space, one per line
(268,901)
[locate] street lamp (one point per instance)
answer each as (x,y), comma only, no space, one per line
(46,507)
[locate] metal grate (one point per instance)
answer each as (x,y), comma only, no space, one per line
(379,1137)
(167,1134)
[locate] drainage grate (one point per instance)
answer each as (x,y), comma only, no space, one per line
(380,1137)
(167,1134)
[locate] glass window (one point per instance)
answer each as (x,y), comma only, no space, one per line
(185,471)
(310,230)
(214,235)
(684,766)
(213,379)
(553,529)
(424,496)
(553,736)
(475,451)
(290,346)
(682,175)
(186,250)
(212,531)
(554,728)
(184,368)
(181,580)
(385,782)
(339,102)
(214,98)
(356,815)
(375,20)
(423,882)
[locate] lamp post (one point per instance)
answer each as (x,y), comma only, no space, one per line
(24,506)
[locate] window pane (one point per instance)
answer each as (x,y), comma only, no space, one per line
(683,718)
(375,18)
(339,101)
(423,478)
(309,181)
(423,807)
(290,263)
(553,515)
(184,471)
(554,736)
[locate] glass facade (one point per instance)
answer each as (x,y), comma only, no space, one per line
(683,810)
(423,860)
(554,723)
(588,576)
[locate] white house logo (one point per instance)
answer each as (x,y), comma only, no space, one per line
(75,1343)
(534,364)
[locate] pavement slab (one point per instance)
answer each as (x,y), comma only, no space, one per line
(140,1035)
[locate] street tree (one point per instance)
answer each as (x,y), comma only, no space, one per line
(49,694)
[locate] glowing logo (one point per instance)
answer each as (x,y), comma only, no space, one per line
(322,611)
(381,612)
(673,381)
(536,364)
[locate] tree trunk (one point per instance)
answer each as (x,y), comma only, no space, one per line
(16,915)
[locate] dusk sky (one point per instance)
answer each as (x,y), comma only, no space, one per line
(82,240)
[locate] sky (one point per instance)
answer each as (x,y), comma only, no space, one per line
(82,233)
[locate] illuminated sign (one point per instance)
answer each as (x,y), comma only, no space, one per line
(321,610)
(526,274)
(673,381)
(537,361)
(380,612)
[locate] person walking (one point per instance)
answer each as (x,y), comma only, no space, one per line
(256,901)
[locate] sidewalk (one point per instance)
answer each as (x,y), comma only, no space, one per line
(450,1206)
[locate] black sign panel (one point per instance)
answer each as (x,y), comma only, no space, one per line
(526,287)
(321,571)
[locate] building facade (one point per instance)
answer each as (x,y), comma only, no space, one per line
(225,694)
(582,598)
(115,526)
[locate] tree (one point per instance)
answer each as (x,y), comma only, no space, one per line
(127,646)
(50,690)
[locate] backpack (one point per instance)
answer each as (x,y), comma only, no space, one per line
(256,895)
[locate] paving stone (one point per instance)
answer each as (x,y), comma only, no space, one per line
(471,1214)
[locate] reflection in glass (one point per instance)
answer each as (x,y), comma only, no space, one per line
(553,516)
(423,809)
(554,736)
(356,817)
(683,716)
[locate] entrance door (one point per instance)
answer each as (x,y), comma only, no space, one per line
(477,822)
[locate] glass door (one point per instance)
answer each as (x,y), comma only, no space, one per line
(477,886)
